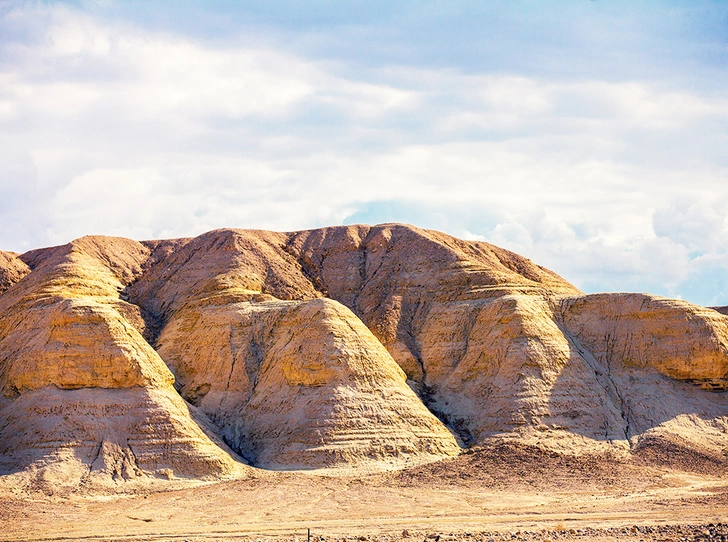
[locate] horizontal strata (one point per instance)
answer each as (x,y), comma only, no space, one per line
(334,347)
(299,384)
(82,394)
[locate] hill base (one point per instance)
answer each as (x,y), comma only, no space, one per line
(501,492)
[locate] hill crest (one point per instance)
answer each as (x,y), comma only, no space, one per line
(368,346)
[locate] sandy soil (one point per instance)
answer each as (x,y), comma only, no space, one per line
(499,493)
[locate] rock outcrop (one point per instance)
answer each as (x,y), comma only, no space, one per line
(335,347)
(296,384)
(82,394)
(290,383)
(12,269)
(500,347)
(678,339)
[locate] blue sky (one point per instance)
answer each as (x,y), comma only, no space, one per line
(587,135)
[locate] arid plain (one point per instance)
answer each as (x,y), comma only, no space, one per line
(364,382)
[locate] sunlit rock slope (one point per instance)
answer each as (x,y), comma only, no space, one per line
(339,347)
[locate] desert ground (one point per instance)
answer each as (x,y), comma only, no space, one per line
(358,382)
(505,492)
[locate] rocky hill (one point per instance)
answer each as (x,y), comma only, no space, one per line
(347,347)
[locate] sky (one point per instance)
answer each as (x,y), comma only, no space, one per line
(590,136)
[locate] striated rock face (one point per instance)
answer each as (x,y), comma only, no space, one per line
(299,384)
(291,385)
(78,383)
(680,340)
(392,276)
(12,269)
(340,346)
(500,347)
(104,436)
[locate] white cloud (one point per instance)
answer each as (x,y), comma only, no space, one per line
(108,128)
(699,226)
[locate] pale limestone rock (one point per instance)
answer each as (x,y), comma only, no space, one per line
(78,381)
(511,368)
(679,339)
(481,330)
(12,269)
(502,366)
(76,343)
(394,274)
(649,349)
(477,329)
(299,385)
(114,434)
(495,344)
(221,261)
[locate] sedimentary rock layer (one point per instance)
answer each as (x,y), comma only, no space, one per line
(80,386)
(335,346)
(297,384)
(500,347)
(12,269)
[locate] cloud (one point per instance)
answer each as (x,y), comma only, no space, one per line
(110,127)
(700,226)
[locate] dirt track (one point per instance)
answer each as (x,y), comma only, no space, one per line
(475,497)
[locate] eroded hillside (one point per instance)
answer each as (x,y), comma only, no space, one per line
(348,346)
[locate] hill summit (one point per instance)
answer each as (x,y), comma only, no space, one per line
(349,347)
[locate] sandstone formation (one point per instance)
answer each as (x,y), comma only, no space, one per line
(335,347)
(299,383)
(12,269)
(80,386)
(291,384)
(496,347)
